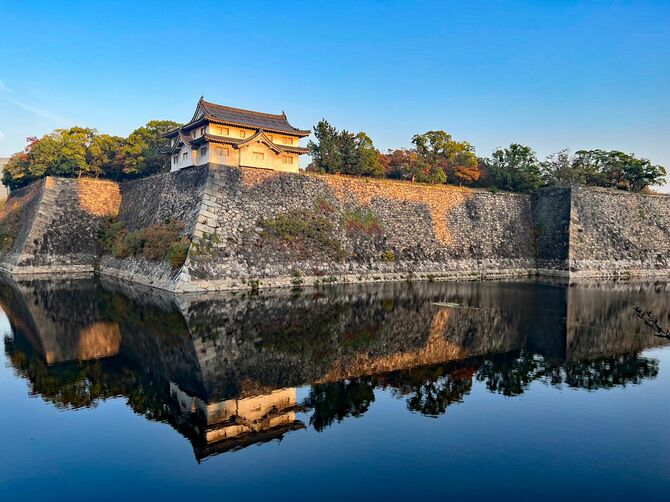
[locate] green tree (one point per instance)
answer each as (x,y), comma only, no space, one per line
(343,152)
(143,152)
(615,169)
(514,168)
(560,169)
(326,152)
(104,155)
(367,162)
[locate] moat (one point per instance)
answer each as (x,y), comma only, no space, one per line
(474,390)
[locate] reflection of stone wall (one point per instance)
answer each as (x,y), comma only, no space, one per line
(62,319)
(264,342)
(601,320)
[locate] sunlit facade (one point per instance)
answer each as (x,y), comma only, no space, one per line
(238,138)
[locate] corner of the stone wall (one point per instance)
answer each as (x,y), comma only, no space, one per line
(572,214)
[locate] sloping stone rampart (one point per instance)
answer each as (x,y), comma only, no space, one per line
(245,231)
(57,228)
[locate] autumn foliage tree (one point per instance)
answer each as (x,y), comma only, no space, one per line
(81,151)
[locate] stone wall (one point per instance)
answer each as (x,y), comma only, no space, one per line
(551,228)
(359,230)
(16,222)
(619,234)
(58,227)
(254,228)
(152,200)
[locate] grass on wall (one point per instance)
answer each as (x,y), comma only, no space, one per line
(310,229)
(361,221)
(160,242)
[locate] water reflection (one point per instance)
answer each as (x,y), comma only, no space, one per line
(224,371)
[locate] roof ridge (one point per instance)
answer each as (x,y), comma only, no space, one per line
(232,108)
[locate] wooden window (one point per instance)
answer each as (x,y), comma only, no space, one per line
(203,150)
(226,152)
(219,151)
(259,155)
(243,133)
(202,131)
(289,141)
(287,159)
(184,155)
(175,159)
(217,129)
(225,131)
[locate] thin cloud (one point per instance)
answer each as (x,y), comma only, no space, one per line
(2,136)
(36,111)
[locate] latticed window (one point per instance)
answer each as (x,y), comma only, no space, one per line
(259,155)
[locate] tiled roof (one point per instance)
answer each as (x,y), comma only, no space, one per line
(237,116)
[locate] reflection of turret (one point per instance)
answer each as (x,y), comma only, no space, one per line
(235,423)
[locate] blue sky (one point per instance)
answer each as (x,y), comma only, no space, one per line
(549,74)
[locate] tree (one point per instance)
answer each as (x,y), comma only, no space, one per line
(143,153)
(326,153)
(367,162)
(615,169)
(343,152)
(515,168)
(104,155)
(81,151)
(409,165)
(560,169)
(457,159)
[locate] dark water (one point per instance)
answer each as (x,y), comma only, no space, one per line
(527,391)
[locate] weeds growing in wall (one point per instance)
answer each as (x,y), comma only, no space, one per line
(160,242)
(366,222)
(308,230)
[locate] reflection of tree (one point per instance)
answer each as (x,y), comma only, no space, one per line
(511,374)
(334,401)
(613,372)
(84,384)
(650,320)
(431,389)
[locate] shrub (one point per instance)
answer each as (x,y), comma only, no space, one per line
(389,256)
(158,239)
(161,242)
(362,221)
(176,255)
(310,228)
